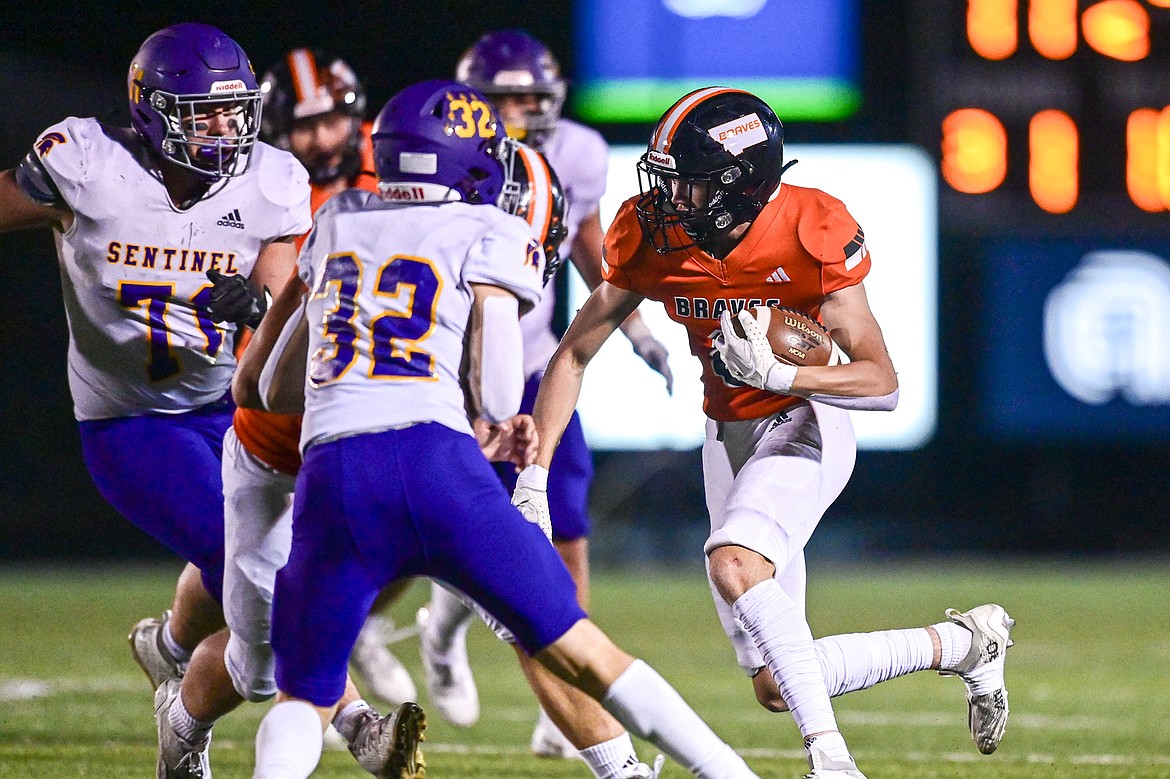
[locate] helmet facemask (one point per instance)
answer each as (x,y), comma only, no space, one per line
(705,206)
(186,141)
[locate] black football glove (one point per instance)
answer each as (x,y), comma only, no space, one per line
(234,300)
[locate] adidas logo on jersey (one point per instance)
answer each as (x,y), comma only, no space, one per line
(778,276)
(232,219)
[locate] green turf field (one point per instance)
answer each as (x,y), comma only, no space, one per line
(1089,677)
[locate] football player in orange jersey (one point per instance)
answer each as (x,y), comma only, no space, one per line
(314,106)
(714,233)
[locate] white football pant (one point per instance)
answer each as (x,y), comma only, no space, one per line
(768,482)
(258,537)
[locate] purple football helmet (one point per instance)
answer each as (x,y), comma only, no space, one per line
(512,62)
(182,75)
(439,140)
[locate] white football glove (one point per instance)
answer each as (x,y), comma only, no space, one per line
(531,497)
(750,359)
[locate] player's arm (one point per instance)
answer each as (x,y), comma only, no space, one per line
(28,199)
(244,301)
(281,339)
(586,258)
(495,373)
(605,310)
(851,324)
(867,383)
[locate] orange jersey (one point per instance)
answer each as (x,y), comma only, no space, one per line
(803,246)
(276,438)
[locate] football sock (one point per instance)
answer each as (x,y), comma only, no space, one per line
(956,643)
(858,661)
(785,641)
(610,759)
(830,745)
(288,743)
(347,720)
(188,728)
(652,710)
(181,655)
(448,617)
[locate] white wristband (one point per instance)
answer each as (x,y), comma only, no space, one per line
(780,377)
(534,477)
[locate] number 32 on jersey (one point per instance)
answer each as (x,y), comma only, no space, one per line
(411,287)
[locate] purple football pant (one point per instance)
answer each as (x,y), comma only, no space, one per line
(162,472)
(418,501)
(569,474)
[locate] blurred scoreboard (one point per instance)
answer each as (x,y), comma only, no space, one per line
(1049,113)
(1050,124)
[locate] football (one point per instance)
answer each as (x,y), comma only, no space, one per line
(796,338)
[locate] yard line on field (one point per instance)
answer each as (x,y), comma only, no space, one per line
(1026,721)
(492,750)
(23,689)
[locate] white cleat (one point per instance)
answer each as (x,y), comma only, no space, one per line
(643,771)
(450,683)
(388,747)
(825,767)
(982,671)
(152,657)
(384,674)
(548,741)
(177,757)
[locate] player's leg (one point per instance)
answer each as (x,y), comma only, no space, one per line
(487,550)
(570,476)
(794,465)
(179,503)
(442,642)
(228,669)
(641,700)
(322,597)
(383,674)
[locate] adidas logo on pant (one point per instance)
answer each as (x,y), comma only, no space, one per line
(232,219)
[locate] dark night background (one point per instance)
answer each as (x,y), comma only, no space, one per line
(965,492)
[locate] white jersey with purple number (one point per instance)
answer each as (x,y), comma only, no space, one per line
(132,351)
(579,155)
(390,296)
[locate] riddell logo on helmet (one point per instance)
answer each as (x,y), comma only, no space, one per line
(660,159)
(227,86)
(738,134)
(402,193)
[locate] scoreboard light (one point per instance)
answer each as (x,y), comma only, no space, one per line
(1048,107)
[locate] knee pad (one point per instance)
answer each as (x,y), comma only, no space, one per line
(252,668)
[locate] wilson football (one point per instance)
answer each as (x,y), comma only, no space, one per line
(796,338)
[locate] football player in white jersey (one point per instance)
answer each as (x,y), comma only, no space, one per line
(167,234)
(393,482)
(523,79)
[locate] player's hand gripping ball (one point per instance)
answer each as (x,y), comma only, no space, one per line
(795,337)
